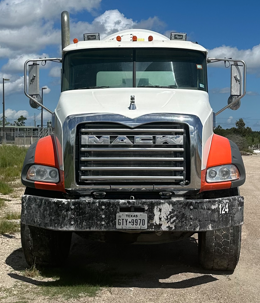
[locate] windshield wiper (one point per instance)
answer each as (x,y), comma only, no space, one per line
(92,87)
(159,86)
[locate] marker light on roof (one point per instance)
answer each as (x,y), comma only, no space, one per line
(91,36)
(150,38)
(75,40)
(118,38)
(178,36)
(134,38)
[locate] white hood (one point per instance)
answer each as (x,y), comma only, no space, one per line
(147,101)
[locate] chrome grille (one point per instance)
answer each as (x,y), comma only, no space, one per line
(111,153)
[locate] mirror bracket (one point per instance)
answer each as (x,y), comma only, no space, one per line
(237,81)
(33,93)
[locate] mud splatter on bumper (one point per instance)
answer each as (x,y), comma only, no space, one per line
(100,214)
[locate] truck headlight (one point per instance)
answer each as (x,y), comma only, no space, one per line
(43,173)
(222,173)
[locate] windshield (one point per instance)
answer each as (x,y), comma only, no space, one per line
(146,67)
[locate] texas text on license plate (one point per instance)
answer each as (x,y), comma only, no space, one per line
(131,221)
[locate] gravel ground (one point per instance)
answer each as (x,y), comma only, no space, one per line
(159,273)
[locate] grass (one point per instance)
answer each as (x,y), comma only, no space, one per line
(32,272)
(72,283)
(11,162)
(12,216)
(7,227)
(5,188)
(2,203)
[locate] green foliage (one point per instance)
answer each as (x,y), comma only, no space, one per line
(5,188)
(12,216)
(8,227)
(20,121)
(2,203)
(243,136)
(240,141)
(11,161)
(6,122)
(76,282)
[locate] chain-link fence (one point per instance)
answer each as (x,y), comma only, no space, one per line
(22,135)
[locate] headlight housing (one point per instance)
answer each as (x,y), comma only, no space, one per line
(222,173)
(43,173)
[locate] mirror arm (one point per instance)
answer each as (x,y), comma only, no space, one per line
(229,105)
(25,78)
(213,60)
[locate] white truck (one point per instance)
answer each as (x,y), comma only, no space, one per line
(133,157)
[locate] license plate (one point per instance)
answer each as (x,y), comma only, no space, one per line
(131,221)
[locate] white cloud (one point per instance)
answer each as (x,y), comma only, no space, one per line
(250,56)
(17,64)
(46,116)
(11,114)
(110,22)
(13,86)
(55,72)
(225,90)
(230,120)
(18,13)
(46,90)
(251,93)
(257,124)
(29,33)
(28,25)
(113,21)
(151,23)
(27,39)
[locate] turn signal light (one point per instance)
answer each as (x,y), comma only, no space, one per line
(118,38)
(150,38)
(134,38)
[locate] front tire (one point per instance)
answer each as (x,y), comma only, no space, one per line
(220,249)
(44,247)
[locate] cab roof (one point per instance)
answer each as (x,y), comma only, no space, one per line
(159,41)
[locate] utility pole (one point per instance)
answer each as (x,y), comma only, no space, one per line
(4,109)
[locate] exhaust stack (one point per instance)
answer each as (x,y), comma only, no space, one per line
(65,29)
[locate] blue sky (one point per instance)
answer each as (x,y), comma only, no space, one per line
(31,29)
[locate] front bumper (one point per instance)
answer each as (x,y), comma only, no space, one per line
(87,214)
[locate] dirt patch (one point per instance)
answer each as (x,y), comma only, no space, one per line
(159,273)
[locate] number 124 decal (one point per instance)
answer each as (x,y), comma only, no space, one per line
(223,208)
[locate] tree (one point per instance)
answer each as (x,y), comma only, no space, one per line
(240,141)
(6,122)
(20,121)
(219,130)
(240,124)
(243,136)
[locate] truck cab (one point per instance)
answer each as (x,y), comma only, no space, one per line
(133,154)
